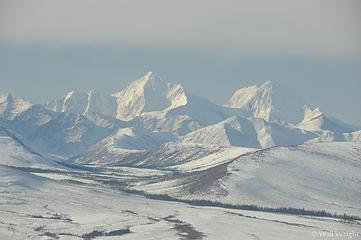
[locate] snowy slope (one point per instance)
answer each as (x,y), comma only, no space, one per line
(324,175)
(242,132)
(125,143)
(268,101)
(168,154)
(136,138)
(14,153)
(234,131)
(270,134)
(313,176)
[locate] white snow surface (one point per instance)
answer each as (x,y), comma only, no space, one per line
(311,176)
(317,176)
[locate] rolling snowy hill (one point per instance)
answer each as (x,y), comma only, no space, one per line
(314,176)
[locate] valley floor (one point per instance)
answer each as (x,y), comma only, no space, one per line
(37,207)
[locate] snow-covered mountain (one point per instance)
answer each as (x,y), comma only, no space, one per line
(16,154)
(234,131)
(317,121)
(21,116)
(67,135)
(198,112)
(149,101)
(166,107)
(268,101)
(242,132)
(148,94)
(11,106)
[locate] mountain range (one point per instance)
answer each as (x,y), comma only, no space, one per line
(151,112)
(263,149)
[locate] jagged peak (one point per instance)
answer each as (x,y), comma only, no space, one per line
(4,94)
(149,78)
(266,84)
(311,113)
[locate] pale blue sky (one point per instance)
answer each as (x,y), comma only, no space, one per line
(212,48)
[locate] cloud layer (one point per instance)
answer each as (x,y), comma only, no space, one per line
(327,28)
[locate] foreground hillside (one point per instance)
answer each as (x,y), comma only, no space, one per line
(47,209)
(312,176)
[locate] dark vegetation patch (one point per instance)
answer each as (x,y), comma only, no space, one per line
(97,233)
(271,220)
(250,207)
(185,230)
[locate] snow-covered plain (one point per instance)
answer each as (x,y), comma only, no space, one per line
(38,208)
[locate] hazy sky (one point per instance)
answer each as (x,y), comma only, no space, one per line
(211,47)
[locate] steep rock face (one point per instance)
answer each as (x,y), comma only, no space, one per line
(148,94)
(102,104)
(11,106)
(315,120)
(268,101)
(73,101)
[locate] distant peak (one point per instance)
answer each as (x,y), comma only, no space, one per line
(149,76)
(311,113)
(267,83)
